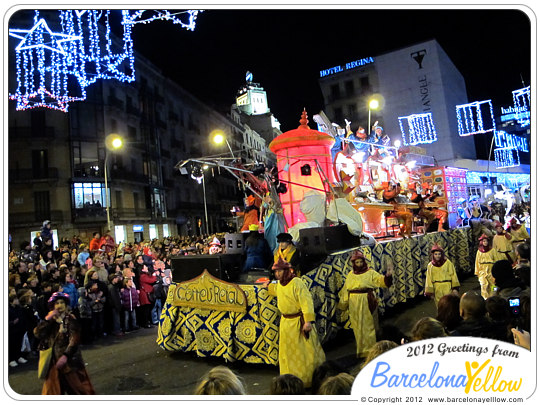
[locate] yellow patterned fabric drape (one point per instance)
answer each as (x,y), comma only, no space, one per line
(253,337)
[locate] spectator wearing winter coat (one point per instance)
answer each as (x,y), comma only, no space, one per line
(16,331)
(101,270)
(69,287)
(46,232)
(97,302)
(146,296)
(507,284)
(83,255)
(114,304)
(85,316)
(129,297)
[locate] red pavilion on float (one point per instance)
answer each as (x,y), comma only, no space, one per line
(304,163)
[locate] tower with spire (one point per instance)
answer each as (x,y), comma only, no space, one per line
(251,98)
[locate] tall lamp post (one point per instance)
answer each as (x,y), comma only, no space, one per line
(197,174)
(113,142)
(204,198)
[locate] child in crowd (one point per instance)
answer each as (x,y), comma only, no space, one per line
(97,300)
(129,296)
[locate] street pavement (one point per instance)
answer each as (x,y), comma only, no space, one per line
(135,365)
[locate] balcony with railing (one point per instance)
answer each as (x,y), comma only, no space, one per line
(130,213)
(35,219)
(89,214)
(32,175)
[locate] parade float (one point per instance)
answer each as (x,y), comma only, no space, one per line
(329,190)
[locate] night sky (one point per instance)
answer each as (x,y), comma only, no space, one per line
(286,48)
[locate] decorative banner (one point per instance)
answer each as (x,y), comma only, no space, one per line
(209,292)
(420,129)
(475,118)
(448,370)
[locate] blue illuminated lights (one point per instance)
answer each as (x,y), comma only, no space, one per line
(349,65)
(147,16)
(417,129)
(506,140)
(55,68)
(506,157)
(522,102)
(508,179)
(475,118)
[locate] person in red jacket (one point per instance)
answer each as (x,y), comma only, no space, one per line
(146,298)
(108,245)
(95,243)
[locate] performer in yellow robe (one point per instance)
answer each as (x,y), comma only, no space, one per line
(502,244)
(441,277)
(519,233)
(486,256)
(358,296)
(300,352)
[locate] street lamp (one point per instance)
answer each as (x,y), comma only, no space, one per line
(373,104)
(113,142)
(218,137)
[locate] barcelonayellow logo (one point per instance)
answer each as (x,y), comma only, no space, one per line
(451,367)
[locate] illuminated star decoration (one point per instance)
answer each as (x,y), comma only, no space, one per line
(475,118)
(41,67)
(417,129)
(522,105)
(55,68)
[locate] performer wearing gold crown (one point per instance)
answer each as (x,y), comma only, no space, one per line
(300,352)
(358,296)
(441,277)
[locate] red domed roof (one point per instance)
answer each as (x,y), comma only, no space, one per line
(302,136)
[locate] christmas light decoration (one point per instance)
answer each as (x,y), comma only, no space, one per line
(43,64)
(522,102)
(509,179)
(506,157)
(417,129)
(55,68)
(147,16)
(506,140)
(475,118)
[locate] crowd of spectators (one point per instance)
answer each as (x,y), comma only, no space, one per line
(114,291)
